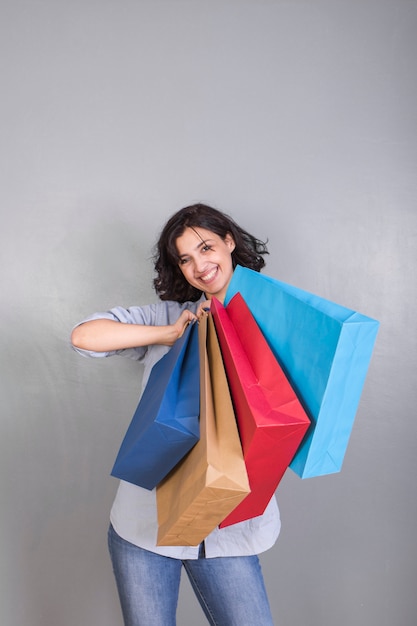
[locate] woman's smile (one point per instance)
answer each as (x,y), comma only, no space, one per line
(207,277)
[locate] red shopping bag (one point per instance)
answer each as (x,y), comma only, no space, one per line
(271,420)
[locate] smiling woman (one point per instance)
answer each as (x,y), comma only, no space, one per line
(210,227)
(205,259)
(197,252)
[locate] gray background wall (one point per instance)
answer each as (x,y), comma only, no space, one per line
(299,119)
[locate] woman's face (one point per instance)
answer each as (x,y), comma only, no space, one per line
(206,260)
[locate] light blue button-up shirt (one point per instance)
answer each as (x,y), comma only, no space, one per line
(134,513)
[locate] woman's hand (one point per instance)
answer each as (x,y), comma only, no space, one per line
(203,308)
(187,317)
(104,335)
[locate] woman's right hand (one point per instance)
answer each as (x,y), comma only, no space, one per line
(185,319)
(104,335)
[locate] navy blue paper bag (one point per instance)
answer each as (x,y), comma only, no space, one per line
(165,425)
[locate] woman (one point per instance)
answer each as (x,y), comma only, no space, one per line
(196,254)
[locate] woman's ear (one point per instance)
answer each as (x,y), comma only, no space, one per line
(230,242)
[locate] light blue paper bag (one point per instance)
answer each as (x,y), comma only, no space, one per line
(165,425)
(325,350)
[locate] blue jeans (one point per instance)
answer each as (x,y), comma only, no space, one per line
(230,590)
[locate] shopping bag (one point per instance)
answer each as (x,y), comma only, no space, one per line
(271,420)
(325,350)
(166,422)
(211,480)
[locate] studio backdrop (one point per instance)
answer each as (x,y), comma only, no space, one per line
(298,119)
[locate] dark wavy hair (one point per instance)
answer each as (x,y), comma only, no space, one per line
(170,283)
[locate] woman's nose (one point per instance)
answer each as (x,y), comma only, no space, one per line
(199,264)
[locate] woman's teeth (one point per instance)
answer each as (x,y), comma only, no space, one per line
(209,276)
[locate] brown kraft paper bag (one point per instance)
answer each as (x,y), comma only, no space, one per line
(211,480)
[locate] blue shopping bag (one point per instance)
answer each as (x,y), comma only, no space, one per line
(165,425)
(325,350)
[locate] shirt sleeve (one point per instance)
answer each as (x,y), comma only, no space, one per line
(132,315)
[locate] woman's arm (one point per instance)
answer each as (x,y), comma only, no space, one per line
(104,335)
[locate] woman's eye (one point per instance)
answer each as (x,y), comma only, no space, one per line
(206,248)
(183,261)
